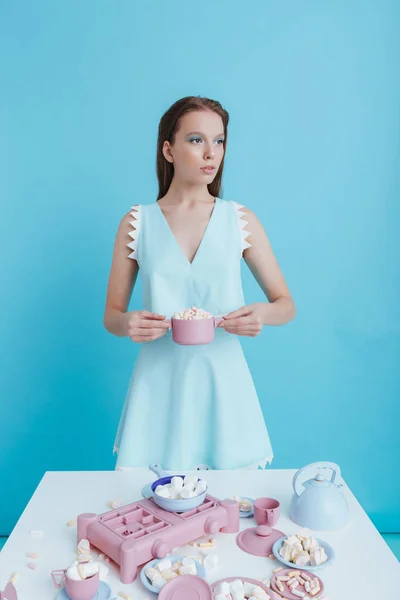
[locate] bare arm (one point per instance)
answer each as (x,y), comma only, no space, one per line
(262,263)
(140,326)
(121,281)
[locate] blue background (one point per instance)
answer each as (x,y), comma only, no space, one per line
(313,92)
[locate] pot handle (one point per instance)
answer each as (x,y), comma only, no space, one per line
(58,577)
(317,466)
(218,320)
(158,470)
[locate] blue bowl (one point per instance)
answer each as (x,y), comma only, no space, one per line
(328,549)
(201,572)
(180,504)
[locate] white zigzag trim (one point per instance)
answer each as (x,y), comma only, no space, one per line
(135,212)
(242,224)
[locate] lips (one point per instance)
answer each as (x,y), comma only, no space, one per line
(210,169)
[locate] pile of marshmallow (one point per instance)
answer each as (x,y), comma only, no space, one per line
(181,488)
(300,584)
(239,590)
(192,314)
(84,566)
(244,504)
(301,550)
(165,570)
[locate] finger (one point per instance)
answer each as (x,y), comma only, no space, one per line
(244,310)
(150,315)
(150,324)
(244,332)
(147,338)
(152,331)
(237,321)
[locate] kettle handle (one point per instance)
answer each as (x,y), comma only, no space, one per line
(316,466)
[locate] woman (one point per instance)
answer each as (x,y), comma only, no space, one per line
(192,407)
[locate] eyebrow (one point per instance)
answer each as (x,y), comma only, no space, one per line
(199,133)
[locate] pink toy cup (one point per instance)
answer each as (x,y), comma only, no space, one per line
(196,331)
(266,511)
(82,589)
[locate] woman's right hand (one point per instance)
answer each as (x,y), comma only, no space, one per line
(144,326)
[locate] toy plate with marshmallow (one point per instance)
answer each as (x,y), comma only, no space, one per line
(158,572)
(242,587)
(303,551)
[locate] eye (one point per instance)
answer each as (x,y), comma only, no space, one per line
(220,140)
(196,138)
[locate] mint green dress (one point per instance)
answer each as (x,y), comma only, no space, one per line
(191,407)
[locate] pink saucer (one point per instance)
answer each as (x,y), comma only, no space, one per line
(258,540)
(266,589)
(186,587)
(287,593)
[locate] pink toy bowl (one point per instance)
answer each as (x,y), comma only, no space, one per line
(266,511)
(193,332)
(83,589)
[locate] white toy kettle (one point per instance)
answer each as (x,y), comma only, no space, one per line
(321,505)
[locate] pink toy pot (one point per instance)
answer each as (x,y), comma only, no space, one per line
(196,331)
(82,589)
(266,511)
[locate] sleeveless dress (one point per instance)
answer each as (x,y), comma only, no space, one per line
(191,407)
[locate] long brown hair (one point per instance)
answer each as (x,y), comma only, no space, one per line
(169,124)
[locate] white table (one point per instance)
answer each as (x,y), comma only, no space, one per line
(362,556)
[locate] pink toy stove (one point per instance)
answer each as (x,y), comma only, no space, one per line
(139,532)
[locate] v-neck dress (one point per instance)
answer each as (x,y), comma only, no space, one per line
(191,406)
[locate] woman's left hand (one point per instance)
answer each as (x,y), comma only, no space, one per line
(248,320)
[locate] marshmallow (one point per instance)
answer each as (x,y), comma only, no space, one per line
(71,523)
(200,488)
(158,582)
(210,562)
(186,492)
(103,570)
(223,588)
(163,565)
(177,482)
(248,589)
(84,546)
(32,566)
(179,488)
(318,556)
(88,569)
(303,558)
(237,590)
(72,573)
(152,573)
(36,533)
(310,543)
(192,313)
(168,575)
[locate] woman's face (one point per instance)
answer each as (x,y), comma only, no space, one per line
(198,144)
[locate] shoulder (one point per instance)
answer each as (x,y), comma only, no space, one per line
(244,213)
(129,219)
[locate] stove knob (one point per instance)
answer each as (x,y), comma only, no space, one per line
(211,525)
(160,549)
